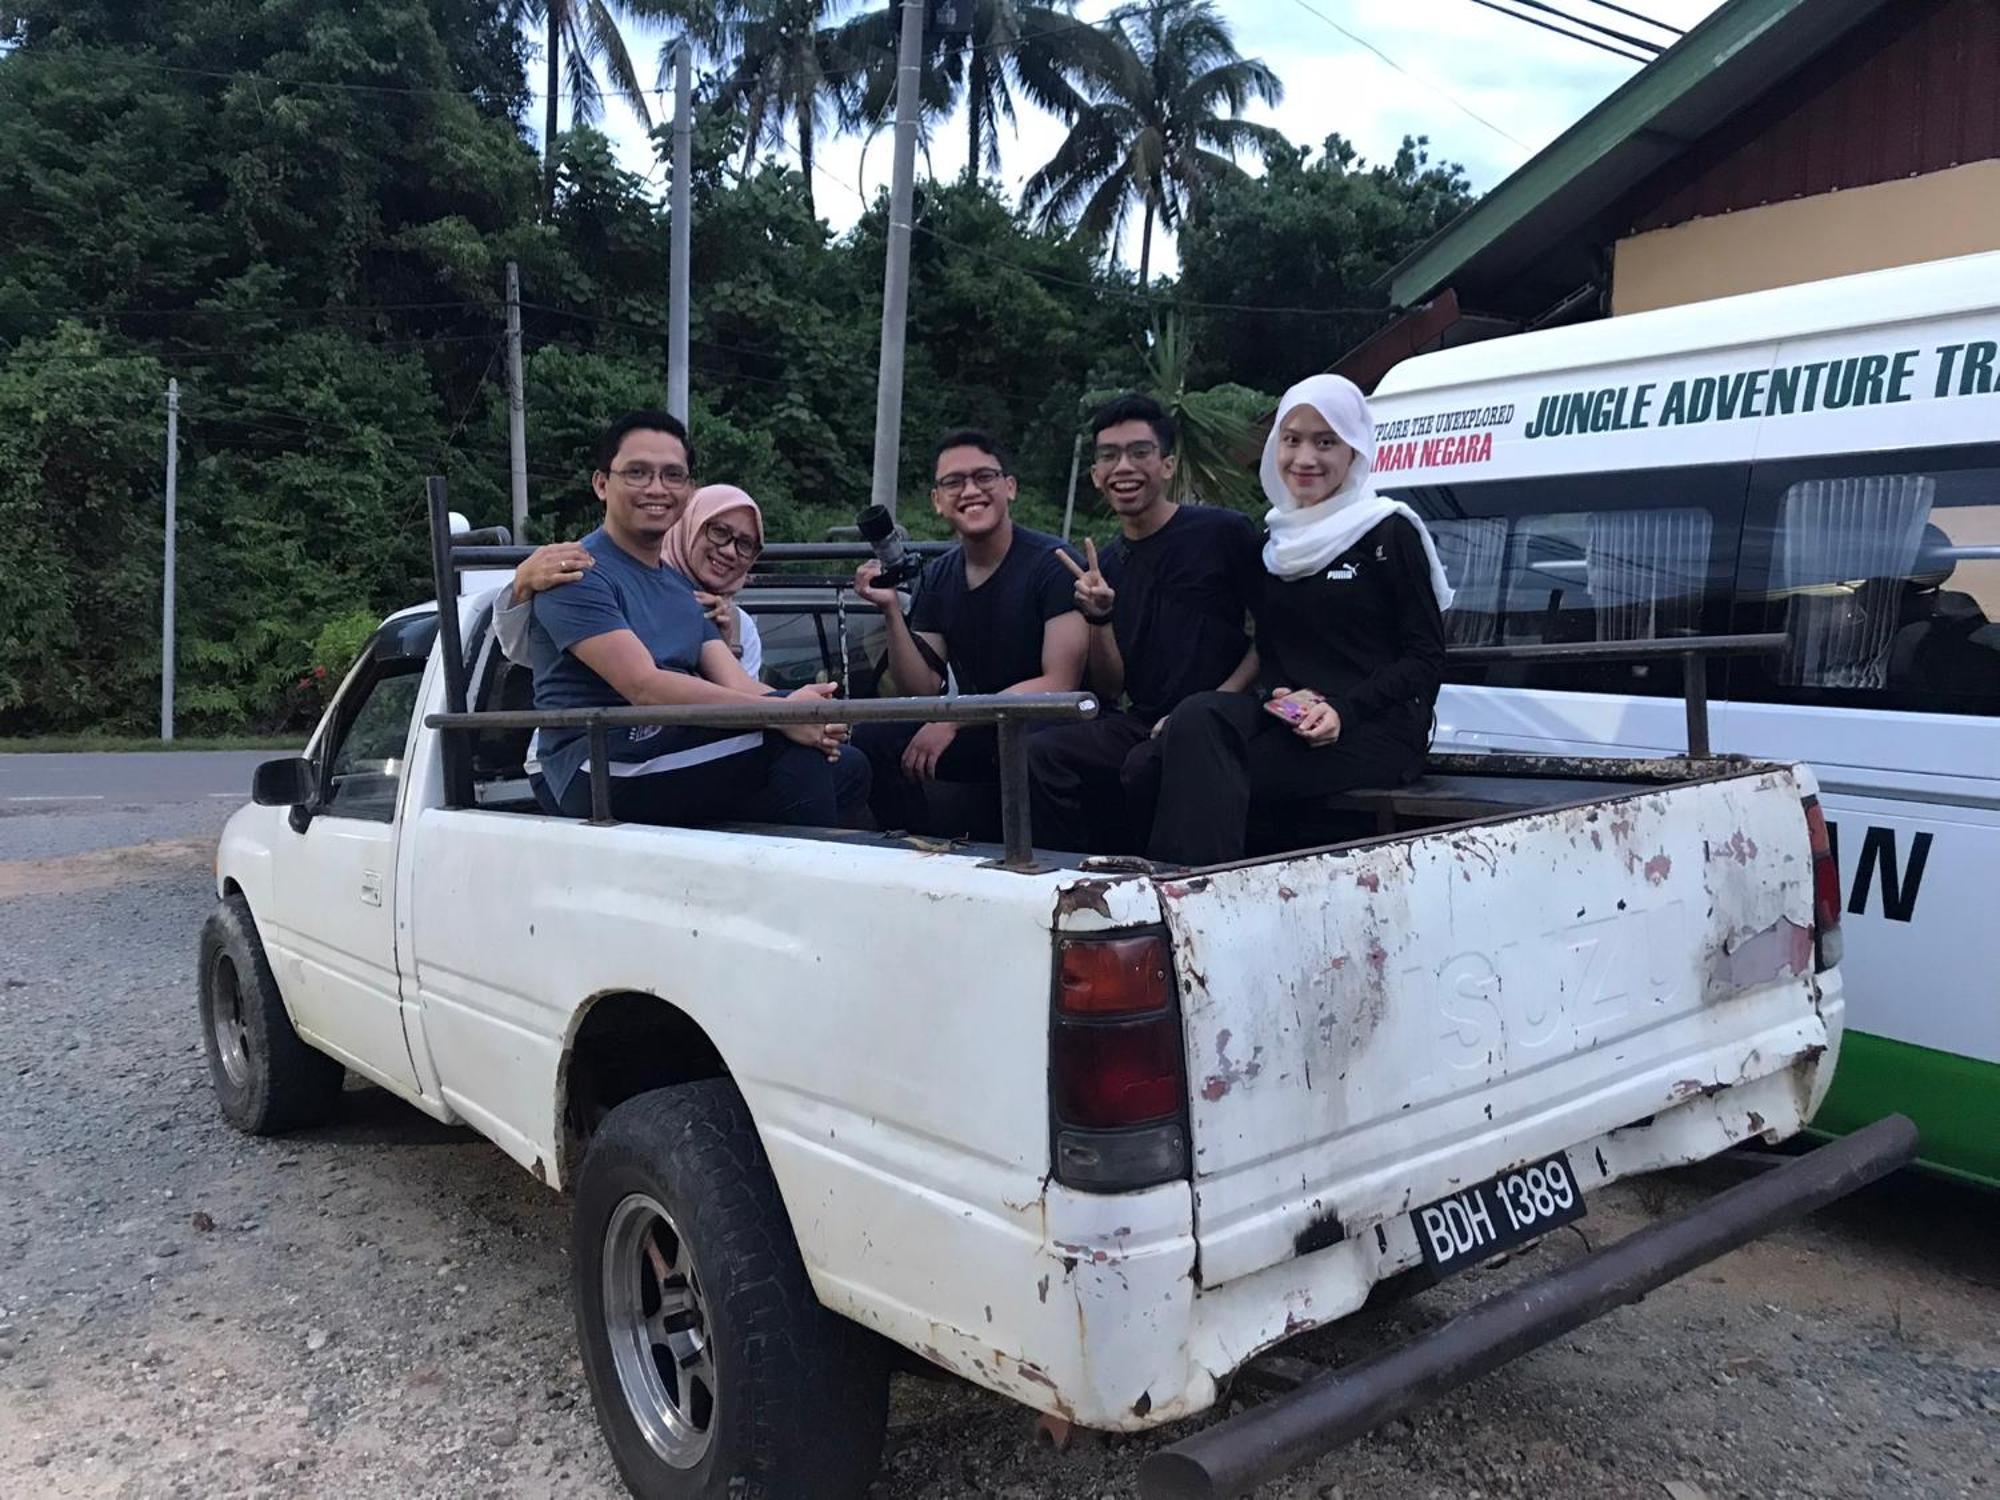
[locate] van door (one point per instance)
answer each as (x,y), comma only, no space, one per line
(332,938)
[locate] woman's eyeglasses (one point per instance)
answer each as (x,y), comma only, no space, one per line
(723,537)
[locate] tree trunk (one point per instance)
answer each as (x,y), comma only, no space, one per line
(975,84)
(550,115)
(1146,245)
(806,153)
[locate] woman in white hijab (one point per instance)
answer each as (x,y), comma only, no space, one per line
(1350,643)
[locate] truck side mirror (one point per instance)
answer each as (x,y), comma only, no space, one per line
(290,782)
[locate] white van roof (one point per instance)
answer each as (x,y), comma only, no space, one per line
(1874,299)
(1892,360)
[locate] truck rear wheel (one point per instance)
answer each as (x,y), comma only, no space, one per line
(266,1079)
(714,1369)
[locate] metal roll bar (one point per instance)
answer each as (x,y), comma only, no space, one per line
(1008,713)
(1692,651)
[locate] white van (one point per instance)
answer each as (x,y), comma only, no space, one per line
(1822,459)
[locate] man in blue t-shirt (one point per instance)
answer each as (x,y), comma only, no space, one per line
(996,612)
(1167,604)
(628,629)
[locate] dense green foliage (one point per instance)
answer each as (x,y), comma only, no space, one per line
(1307,239)
(302,211)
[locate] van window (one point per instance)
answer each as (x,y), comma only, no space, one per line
(1636,556)
(1884,570)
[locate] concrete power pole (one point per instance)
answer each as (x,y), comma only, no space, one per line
(896,274)
(679,210)
(167,579)
(517,408)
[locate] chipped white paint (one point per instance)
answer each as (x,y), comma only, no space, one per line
(1368,1030)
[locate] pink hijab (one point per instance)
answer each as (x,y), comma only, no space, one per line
(708,502)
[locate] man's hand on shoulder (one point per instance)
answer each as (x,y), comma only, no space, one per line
(551,566)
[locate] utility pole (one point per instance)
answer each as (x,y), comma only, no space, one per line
(896,274)
(679,210)
(1075,462)
(167,580)
(517,407)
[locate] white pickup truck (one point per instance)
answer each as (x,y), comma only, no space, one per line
(1088,1133)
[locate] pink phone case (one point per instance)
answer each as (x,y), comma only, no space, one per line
(1292,707)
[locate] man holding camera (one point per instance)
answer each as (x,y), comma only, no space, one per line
(1166,605)
(996,613)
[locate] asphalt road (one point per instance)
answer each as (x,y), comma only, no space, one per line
(380,1308)
(142,778)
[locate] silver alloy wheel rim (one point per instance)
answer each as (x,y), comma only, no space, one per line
(657,1324)
(225,1020)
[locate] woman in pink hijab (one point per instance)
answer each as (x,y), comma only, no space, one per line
(713,544)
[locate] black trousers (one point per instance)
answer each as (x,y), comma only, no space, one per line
(1077,775)
(1223,753)
(778,782)
(970,766)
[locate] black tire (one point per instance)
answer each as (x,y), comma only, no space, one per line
(756,1391)
(266,1079)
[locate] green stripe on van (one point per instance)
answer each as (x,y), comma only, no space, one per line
(1955,1102)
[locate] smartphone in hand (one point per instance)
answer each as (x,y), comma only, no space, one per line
(1292,707)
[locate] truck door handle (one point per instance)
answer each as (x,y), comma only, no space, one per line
(371,888)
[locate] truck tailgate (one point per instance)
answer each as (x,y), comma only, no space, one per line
(1370,1029)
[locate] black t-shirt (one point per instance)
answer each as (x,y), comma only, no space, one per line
(993,633)
(1364,631)
(1184,594)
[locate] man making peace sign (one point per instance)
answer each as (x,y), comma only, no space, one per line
(1166,603)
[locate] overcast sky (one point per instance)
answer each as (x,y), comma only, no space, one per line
(1489,91)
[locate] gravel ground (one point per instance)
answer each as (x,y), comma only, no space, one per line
(380,1309)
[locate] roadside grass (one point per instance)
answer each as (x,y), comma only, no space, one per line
(65,744)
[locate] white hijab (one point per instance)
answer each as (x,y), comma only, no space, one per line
(1305,539)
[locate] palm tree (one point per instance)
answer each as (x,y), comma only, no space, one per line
(791,68)
(1013,47)
(579,34)
(1163,118)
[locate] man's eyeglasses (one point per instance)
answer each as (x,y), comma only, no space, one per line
(1108,454)
(723,537)
(673,476)
(985,479)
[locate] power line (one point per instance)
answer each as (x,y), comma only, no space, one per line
(1515,15)
(1636,16)
(1439,89)
(1623,36)
(58,356)
(236,311)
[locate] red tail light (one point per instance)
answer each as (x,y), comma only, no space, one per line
(1113,976)
(1826,888)
(1117,1082)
